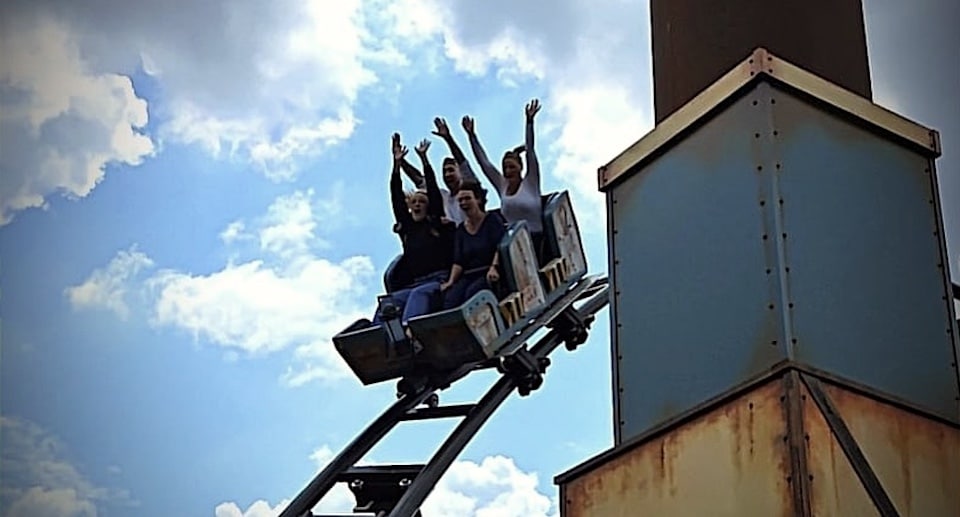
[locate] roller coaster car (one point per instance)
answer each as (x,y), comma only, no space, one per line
(482,328)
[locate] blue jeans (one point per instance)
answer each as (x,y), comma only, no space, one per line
(468,285)
(416,300)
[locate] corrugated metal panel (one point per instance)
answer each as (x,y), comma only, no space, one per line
(916,459)
(732,462)
(695,275)
(863,257)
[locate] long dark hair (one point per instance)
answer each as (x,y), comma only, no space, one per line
(515,154)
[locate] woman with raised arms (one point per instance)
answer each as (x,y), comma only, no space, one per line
(519,194)
(427,239)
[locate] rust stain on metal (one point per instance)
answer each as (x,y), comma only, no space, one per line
(916,459)
(834,486)
(730,462)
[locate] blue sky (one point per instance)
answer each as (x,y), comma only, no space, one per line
(194,199)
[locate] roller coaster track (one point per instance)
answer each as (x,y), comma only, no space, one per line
(399,490)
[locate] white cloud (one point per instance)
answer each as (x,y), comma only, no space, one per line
(259,508)
(290,298)
(62,125)
(589,60)
(266,82)
(39,481)
(258,308)
(288,228)
(107,287)
(234,232)
(495,487)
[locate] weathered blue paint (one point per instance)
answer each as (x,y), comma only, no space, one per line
(866,270)
(689,267)
(714,278)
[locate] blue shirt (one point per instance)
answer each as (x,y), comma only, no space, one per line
(477,250)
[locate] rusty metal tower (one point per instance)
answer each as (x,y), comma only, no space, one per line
(783,333)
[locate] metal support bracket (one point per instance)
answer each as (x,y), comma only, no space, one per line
(850,448)
(525,369)
(573,327)
(383,492)
(378,488)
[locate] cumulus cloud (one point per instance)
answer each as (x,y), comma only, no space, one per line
(39,480)
(290,297)
(264,81)
(593,65)
(107,287)
(62,125)
(258,508)
(287,298)
(494,487)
